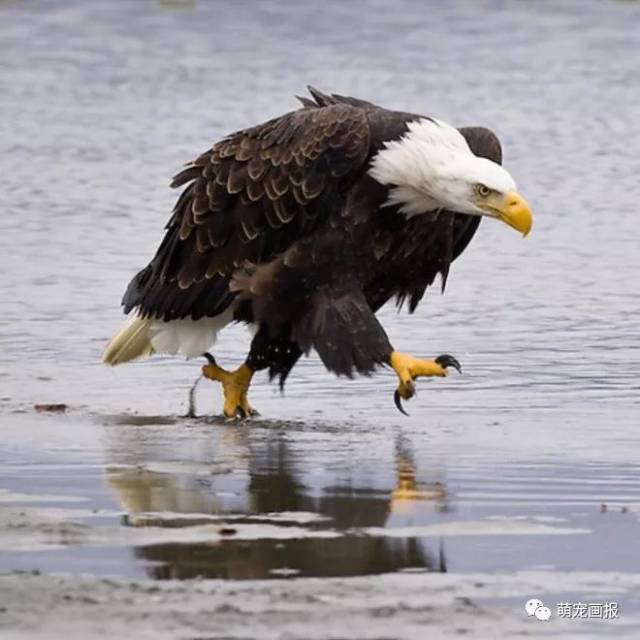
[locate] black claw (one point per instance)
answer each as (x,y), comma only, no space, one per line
(397,398)
(446,360)
(241,413)
(209,357)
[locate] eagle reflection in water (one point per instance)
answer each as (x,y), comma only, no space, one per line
(272,485)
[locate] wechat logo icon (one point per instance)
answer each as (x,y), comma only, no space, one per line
(535,607)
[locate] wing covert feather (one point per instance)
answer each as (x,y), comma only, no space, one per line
(251,196)
(258,181)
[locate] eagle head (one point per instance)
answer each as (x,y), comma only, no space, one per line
(432,167)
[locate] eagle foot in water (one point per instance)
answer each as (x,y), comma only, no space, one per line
(409,369)
(235,385)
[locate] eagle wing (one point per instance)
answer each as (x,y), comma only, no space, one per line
(247,199)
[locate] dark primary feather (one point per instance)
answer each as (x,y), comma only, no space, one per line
(284,219)
(342,328)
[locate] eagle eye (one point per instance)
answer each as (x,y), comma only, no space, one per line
(482,190)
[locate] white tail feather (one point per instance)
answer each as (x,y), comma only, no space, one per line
(131,342)
(142,337)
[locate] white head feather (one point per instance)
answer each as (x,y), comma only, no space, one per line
(432,167)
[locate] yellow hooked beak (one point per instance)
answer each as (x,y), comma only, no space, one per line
(513,210)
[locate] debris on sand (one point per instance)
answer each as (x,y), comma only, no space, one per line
(51,408)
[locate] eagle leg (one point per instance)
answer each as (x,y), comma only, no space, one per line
(235,385)
(409,369)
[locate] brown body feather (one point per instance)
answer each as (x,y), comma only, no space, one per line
(284,219)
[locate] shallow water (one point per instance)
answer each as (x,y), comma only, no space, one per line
(503,468)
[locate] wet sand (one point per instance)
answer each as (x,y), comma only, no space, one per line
(392,606)
(331,515)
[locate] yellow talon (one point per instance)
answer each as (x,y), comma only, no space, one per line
(409,368)
(235,385)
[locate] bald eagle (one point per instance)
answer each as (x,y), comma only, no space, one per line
(304,227)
